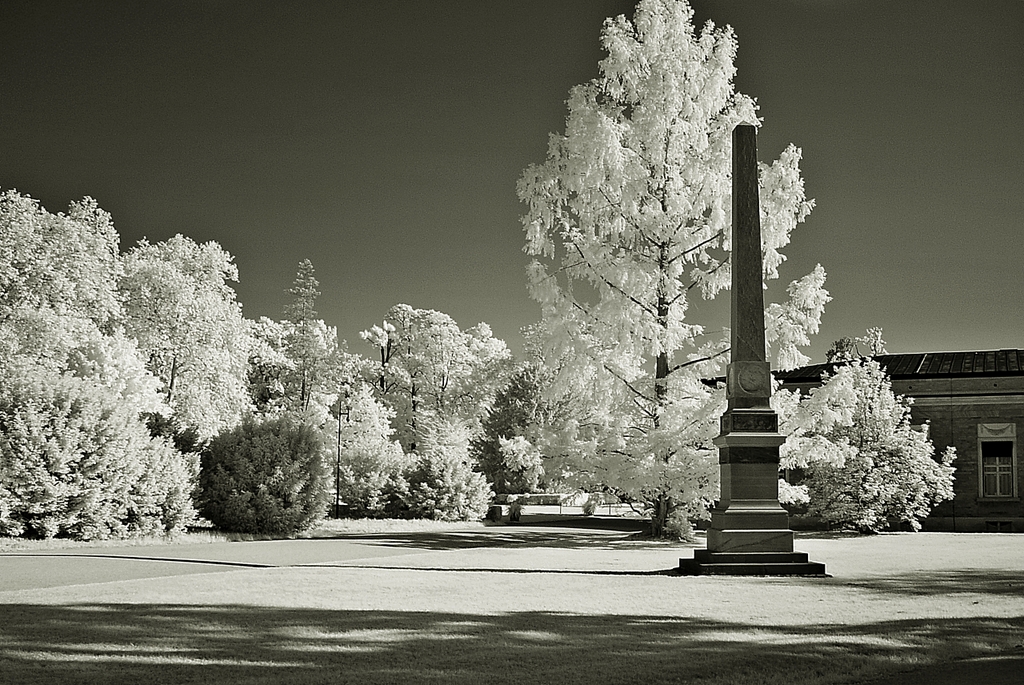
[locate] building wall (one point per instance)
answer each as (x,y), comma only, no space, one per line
(954,408)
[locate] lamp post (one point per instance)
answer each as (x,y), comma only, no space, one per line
(337,462)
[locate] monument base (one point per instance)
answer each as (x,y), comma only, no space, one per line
(705,563)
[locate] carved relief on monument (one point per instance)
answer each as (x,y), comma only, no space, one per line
(750,422)
(749,379)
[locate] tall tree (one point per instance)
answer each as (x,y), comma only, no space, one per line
(299,364)
(58,276)
(629,218)
(429,367)
(304,290)
(307,337)
(180,308)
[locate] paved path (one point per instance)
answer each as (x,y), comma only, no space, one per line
(79,566)
(417,550)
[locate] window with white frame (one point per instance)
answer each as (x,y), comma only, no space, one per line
(997,462)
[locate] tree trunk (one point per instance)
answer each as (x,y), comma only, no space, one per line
(661,370)
(303,393)
(170,382)
(659,517)
(414,402)
(663,505)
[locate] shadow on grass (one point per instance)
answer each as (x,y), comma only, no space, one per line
(933,583)
(829,535)
(157,644)
(512,536)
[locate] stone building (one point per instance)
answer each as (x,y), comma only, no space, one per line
(973,401)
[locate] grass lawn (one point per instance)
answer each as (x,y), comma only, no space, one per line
(511,604)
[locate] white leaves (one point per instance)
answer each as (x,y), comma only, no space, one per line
(519,455)
(65,263)
(113,361)
(783,206)
(378,336)
(429,367)
(631,212)
(864,464)
(789,325)
(793,494)
(179,307)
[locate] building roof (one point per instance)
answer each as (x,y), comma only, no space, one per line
(927,365)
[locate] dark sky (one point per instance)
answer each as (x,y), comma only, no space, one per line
(383,141)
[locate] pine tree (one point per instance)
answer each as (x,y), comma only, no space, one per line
(305,347)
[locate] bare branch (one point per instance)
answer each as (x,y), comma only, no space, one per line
(695,247)
(613,286)
(719,266)
(699,361)
(626,383)
(646,411)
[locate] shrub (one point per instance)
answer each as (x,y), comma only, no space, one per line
(162,497)
(888,473)
(76,461)
(372,480)
(265,477)
(444,485)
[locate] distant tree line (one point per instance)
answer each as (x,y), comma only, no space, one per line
(135,395)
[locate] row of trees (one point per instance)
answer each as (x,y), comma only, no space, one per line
(102,440)
(119,370)
(76,457)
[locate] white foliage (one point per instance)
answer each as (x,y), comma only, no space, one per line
(181,310)
(430,368)
(865,466)
(371,466)
(793,494)
(114,362)
(630,216)
(805,421)
(789,325)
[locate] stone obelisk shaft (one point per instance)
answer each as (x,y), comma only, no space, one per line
(749,532)
(747,288)
(748,517)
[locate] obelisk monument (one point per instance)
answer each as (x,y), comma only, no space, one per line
(749,532)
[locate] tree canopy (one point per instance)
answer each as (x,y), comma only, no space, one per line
(181,309)
(429,367)
(865,465)
(628,220)
(76,458)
